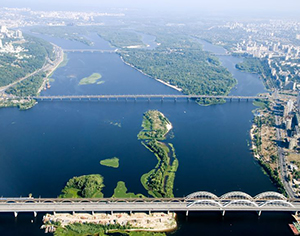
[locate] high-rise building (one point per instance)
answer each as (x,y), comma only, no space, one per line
(298,102)
(3,29)
(19,34)
(288,108)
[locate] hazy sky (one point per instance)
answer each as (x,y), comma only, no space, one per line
(269,6)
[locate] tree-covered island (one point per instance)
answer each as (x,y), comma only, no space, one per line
(159,181)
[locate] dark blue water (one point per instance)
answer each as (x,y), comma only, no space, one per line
(40,149)
(248,84)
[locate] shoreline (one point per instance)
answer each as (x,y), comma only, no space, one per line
(57,62)
(159,80)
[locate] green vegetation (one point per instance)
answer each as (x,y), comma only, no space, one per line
(21,104)
(121,192)
(155,126)
(274,176)
(120,38)
(89,229)
(115,124)
(92,79)
(111,162)
(85,186)
(13,68)
(261,103)
(180,61)
(159,181)
(27,87)
(69,33)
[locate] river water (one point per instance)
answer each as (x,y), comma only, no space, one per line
(42,148)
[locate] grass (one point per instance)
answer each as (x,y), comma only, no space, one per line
(92,79)
(111,162)
(121,192)
(154,126)
(261,103)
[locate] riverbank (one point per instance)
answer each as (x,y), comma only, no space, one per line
(264,143)
(115,222)
(60,58)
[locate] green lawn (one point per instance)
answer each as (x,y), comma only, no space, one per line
(92,79)
(111,162)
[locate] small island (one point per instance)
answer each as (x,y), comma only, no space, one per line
(121,192)
(92,79)
(159,182)
(111,162)
(85,186)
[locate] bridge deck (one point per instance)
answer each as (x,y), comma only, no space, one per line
(146,204)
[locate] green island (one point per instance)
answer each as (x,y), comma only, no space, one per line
(111,162)
(69,33)
(121,192)
(85,186)
(159,182)
(92,79)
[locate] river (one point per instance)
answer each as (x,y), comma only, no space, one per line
(40,149)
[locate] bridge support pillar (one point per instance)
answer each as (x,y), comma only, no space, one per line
(259,213)
(148,99)
(223,213)
(187,213)
(162,99)
(175,99)
(16,214)
(93,213)
(54,213)
(35,214)
(73,213)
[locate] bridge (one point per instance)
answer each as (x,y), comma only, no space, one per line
(144,96)
(198,201)
(90,50)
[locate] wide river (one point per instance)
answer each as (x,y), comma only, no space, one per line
(42,148)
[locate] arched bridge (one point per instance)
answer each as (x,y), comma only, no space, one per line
(198,201)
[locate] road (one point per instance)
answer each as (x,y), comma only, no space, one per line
(282,162)
(46,67)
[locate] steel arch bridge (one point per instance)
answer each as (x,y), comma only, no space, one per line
(197,201)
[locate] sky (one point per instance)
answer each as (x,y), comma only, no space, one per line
(214,6)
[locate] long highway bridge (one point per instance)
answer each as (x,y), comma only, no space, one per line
(198,201)
(90,50)
(142,96)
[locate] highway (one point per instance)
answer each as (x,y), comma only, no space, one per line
(282,163)
(198,201)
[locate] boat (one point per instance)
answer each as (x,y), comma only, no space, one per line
(294,229)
